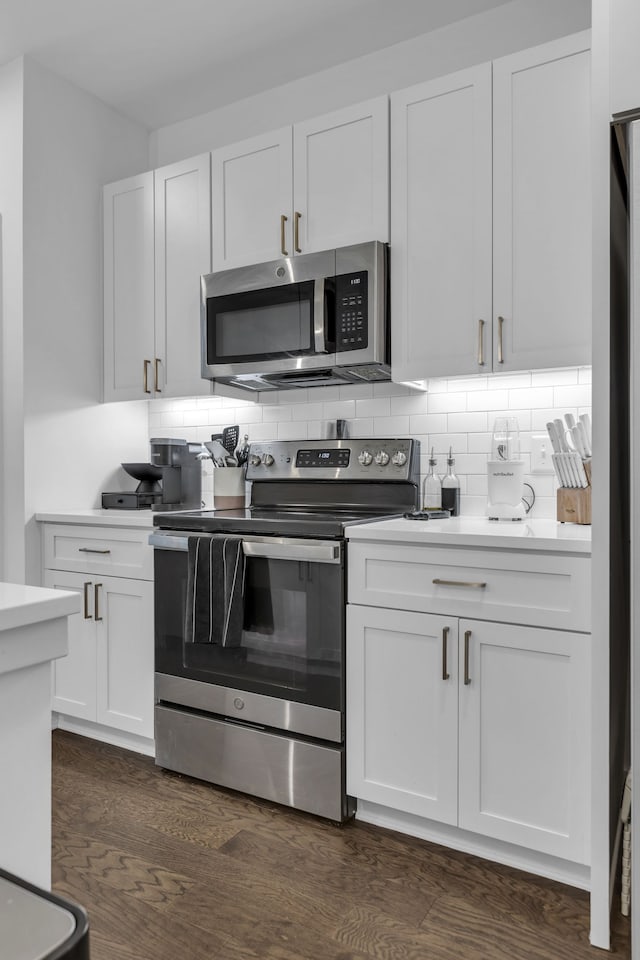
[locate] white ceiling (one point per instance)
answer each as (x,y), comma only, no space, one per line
(159,61)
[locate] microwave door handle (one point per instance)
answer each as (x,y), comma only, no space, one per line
(319,335)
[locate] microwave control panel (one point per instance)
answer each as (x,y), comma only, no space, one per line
(352,328)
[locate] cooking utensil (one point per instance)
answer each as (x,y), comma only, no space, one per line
(217,451)
(242,453)
(230,438)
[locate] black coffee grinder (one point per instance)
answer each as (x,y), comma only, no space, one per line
(181,474)
(147,493)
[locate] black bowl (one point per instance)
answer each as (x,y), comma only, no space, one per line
(143,471)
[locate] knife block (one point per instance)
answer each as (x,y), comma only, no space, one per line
(574,505)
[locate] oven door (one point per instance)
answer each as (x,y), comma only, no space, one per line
(286,668)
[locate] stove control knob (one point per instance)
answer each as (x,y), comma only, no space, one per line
(267,459)
(365,458)
(255,460)
(382,458)
(399,459)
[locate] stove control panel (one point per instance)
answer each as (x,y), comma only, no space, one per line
(358,459)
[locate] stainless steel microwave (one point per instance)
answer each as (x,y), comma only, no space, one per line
(311,320)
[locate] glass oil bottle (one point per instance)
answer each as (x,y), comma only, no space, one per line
(432,487)
(451,488)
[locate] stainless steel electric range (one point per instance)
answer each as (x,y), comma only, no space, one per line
(250,620)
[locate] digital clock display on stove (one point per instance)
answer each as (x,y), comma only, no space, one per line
(323,458)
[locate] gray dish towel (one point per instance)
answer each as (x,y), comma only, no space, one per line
(215,590)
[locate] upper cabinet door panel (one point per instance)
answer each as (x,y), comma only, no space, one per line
(252,191)
(542,219)
(441,226)
(625,62)
(128,287)
(341,177)
(182,253)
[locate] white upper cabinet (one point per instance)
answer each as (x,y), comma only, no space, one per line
(128,288)
(314,186)
(182,254)
(623,55)
(542,206)
(490,232)
(341,178)
(157,232)
(251,193)
(441,226)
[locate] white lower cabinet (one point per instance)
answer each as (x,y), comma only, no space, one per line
(106,680)
(471,723)
(107,676)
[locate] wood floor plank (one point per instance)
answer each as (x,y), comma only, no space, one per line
(169,867)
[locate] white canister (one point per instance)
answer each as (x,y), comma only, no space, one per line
(228,488)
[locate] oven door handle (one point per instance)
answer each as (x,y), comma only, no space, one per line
(284,548)
(169,541)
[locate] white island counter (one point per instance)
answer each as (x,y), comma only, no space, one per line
(33,632)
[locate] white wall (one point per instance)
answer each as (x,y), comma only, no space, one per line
(503,30)
(11,341)
(456,413)
(74,444)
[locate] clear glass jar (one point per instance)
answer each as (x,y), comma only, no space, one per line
(432,487)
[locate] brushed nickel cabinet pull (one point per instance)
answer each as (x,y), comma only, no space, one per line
(85,590)
(283,220)
(459,583)
(445,636)
(156,379)
(95,601)
(467,637)
(91,550)
(481,343)
(145,376)
(500,347)
(296,232)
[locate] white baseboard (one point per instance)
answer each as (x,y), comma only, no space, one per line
(119,738)
(573,874)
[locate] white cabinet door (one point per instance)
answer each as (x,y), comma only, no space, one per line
(402,711)
(524,737)
(182,255)
(441,226)
(124,619)
(542,206)
(128,288)
(74,676)
(251,193)
(625,63)
(341,177)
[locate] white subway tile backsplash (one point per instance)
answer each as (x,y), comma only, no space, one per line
(466,422)
(456,413)
(446,402)
(378,407)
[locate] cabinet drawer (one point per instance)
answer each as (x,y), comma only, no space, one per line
(545,590)
(110,552)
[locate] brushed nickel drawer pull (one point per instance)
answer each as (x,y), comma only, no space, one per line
(459,583)
(145,376)
(85,590)
(445,635)
(91,550)
(500,343)
(95,601)
(481,343)
(283,220)
(156,379)
(296,232)
(467,637)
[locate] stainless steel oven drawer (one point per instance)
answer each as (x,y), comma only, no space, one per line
(297,773)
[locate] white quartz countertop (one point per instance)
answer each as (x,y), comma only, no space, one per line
(22,605)
(101,518)
(542,535)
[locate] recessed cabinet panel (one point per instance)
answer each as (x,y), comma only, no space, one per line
(74,676)
(341,177)
(441,226)
(524,731)
(252,191)
(182,253)
(125,656)
(402,714)
(128,285)
(542,209)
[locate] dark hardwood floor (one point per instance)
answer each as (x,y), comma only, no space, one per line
(169,868)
